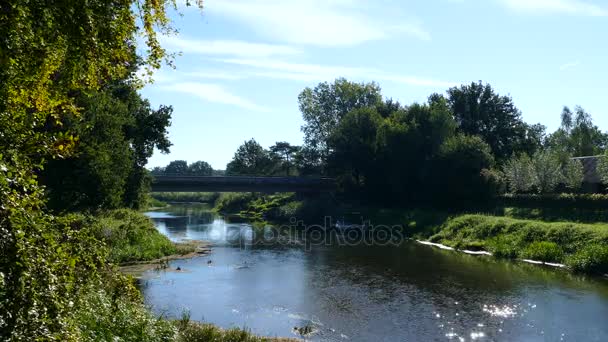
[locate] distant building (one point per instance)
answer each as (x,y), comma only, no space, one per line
(591,180)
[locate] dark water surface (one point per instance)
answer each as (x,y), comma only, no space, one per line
(362,293)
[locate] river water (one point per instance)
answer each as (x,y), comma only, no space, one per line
(408,292)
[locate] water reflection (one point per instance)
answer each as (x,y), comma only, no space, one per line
(360,293)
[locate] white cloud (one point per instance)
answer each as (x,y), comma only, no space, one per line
(314,22)
(557,6)
(213,93)
(226,47)
(278,69)
(570,65)
(212,74)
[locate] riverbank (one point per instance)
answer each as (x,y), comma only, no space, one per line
(185,250)
(581,247)
(108,305)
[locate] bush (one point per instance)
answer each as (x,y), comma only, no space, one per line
(590,259)
(504,248)
(234,202)
(204,197)
(130,235)
(543,251)
(568,201)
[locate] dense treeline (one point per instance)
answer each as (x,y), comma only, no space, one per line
(381,150)
(181,167)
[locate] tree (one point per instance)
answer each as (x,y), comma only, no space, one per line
(284,152)
(406,142)
(546,171)
(519,171)
(578,136)
(461,161)
(573,174)
(250,159)
(50,53)
(478,110)
(117,133)
(353,145)
(308,162)
(324,106)
(602,168)
(177,167)
(200,168)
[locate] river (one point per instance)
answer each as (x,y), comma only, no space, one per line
(408,292)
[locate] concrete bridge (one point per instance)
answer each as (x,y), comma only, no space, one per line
(179,183)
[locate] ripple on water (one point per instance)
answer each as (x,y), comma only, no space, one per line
(504,311)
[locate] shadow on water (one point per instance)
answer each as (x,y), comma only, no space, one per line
(362,293)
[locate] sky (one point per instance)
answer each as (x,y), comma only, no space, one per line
(242,63)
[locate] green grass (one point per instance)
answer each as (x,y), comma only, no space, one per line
(544,241)
(129,235)
(155,203)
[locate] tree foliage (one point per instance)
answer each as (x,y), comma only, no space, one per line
(250,159)
(325,105)
(117,133)
(578,136)
(479,110)
(50,54)
(200,168)
(519,171)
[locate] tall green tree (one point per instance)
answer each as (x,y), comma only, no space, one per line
(200,168)
(353,145)
(177,167)
(479,110)
(117,133)
(578,136)
(284,153)
(466,158)
(325,105)
(250,159)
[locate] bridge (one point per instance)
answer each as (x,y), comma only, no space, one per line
(181,183)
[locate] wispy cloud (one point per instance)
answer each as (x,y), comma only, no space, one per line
(315,22)
(213,93)
(226,47)
(570,65)
(278,69)
(575,7)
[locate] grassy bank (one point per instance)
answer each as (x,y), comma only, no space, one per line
(582,247)
(512,233)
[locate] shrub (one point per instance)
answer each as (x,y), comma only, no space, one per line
(573,174)
(204,197)
(547,172)
(503,247)
(590,259)
(130,235)
(543,251)
(519,172)
(234,202)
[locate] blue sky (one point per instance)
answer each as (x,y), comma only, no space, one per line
(244,62)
